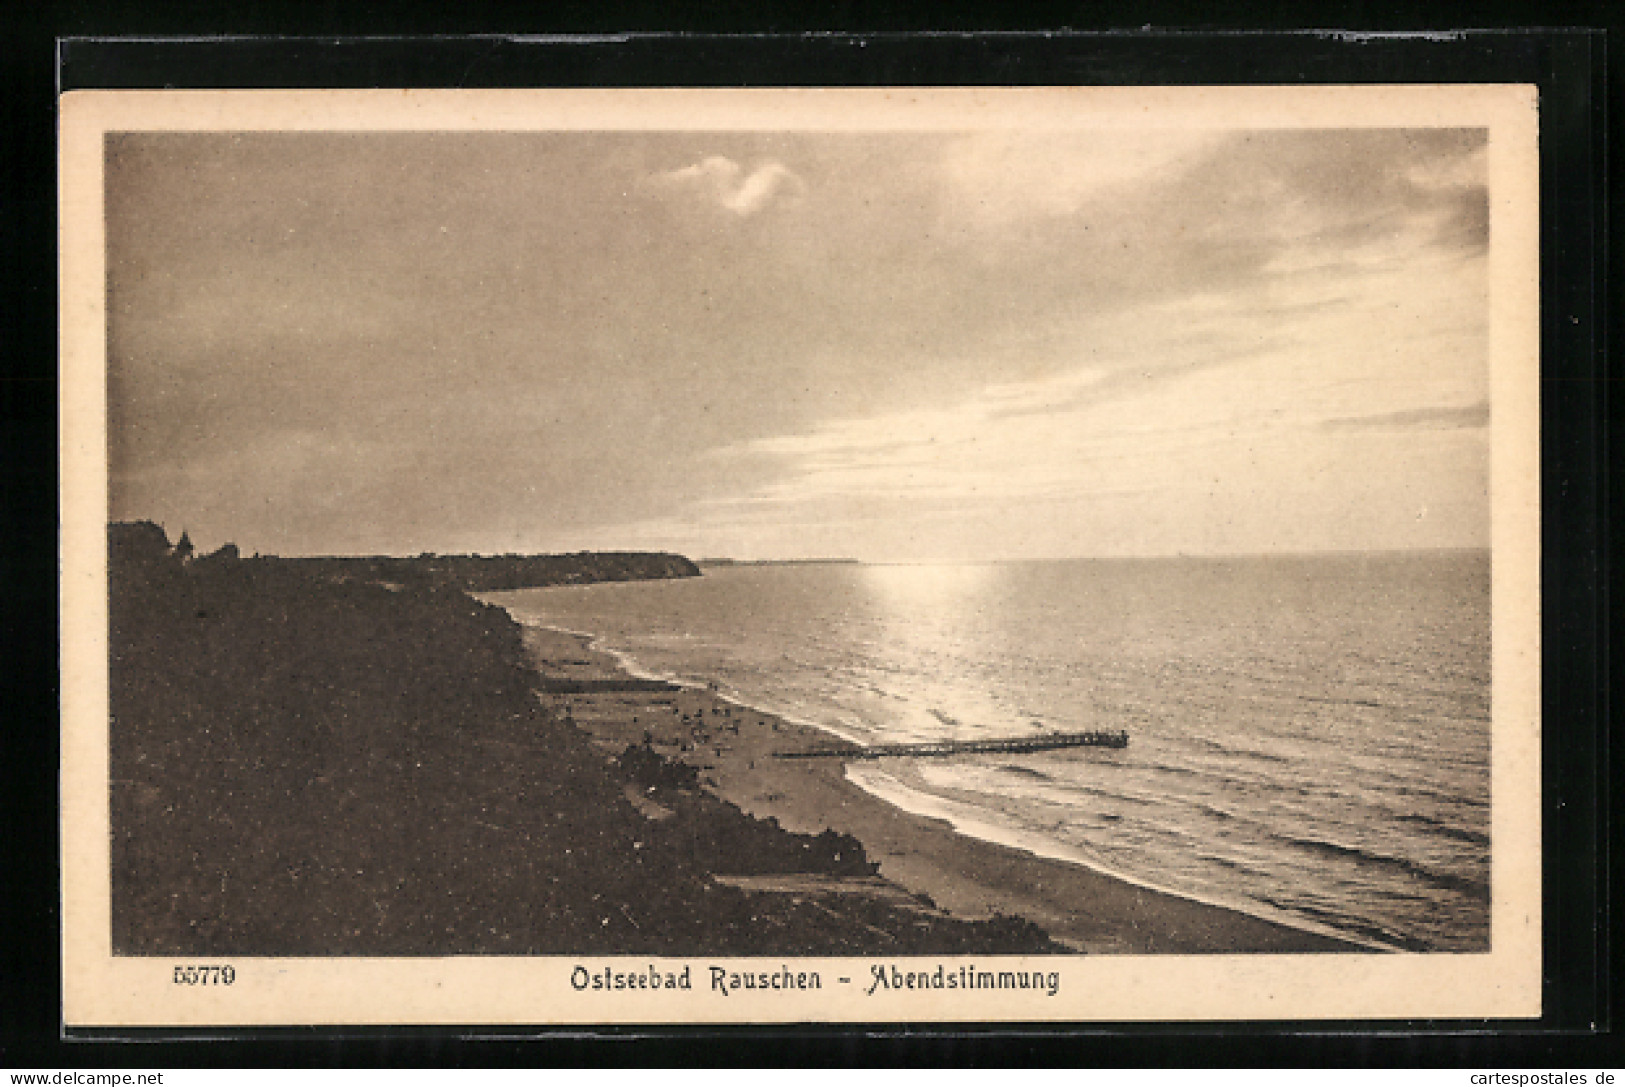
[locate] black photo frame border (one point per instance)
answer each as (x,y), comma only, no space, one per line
(1569,66)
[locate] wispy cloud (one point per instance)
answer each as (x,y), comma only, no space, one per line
(1182,414)
(722,182)
(1449,418)
(925,433)
(998,177)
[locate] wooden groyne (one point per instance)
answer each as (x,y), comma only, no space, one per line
(1013,746)
(550,685)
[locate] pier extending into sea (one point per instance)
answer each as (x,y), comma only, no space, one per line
(937,748)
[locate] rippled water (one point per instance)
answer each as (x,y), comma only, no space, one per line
(1310,735)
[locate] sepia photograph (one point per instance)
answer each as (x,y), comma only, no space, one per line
(679,556)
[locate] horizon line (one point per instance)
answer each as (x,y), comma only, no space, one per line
(717,560)
(1303,553)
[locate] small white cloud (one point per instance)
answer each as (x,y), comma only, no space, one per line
(723,182)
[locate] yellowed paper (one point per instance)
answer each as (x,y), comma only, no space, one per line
(987,405)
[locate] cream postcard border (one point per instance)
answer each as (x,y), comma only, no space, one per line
(100,989)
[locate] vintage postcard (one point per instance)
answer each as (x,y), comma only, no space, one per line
(765,556)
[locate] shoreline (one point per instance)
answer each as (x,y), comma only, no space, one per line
(731,745)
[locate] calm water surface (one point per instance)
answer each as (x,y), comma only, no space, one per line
(1310,735)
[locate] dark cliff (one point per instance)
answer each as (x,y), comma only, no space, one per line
(328,758)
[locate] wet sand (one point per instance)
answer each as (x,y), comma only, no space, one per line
(733,747)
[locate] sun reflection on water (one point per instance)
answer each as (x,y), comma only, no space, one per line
(929,588)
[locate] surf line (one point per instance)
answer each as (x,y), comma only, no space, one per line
(890,790)
(884,786)
(637,670)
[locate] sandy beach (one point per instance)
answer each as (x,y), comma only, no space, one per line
(732,747)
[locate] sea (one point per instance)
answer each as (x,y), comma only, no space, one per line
(1309,735)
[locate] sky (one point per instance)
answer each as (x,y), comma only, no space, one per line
(893,346)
